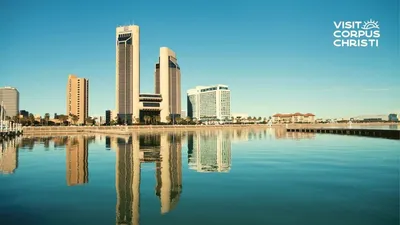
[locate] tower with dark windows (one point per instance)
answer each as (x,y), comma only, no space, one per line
(127,73)
(168,84)
(133,106)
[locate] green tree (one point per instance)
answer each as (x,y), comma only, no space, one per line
(15,119)
(178,119)
(254,118)
(63,118)
(47,118)
(259,118)
(74,118)
(89,120)
(188,119)
(158,119)
(31,119)
(168,118)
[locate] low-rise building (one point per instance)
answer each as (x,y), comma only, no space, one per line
(393,117)
(294,118)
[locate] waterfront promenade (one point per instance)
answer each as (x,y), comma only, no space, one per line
(129,129)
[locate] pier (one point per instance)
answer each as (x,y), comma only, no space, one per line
(8,129)
(378,133)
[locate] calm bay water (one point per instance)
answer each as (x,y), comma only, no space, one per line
(208,177)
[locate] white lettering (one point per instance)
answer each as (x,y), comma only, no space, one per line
(338,25)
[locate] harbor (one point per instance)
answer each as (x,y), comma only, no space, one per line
(9,130)
(378,133)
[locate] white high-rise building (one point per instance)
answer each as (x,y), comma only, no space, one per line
(209,102)
(127,73)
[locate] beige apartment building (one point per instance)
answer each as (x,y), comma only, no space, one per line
(78,98)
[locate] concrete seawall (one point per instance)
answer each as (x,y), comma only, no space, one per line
(128,129)
(153,128)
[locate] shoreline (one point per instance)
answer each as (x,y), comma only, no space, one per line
(120,130)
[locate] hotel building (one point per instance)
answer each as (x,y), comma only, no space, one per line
(294,118)
(78,98)
(127,73)
(9,99)
(209,102)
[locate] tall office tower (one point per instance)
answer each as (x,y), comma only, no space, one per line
(169,171)
(128,181)
(77,160)
(127,73)
(209,103)
(168,84)
(78,98)
(10,98)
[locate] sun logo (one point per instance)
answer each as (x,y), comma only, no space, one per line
(370,25)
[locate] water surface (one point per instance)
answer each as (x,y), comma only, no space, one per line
(217,177)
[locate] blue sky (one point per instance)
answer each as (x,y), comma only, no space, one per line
(276,56)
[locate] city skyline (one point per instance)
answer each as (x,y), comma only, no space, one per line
(264,65)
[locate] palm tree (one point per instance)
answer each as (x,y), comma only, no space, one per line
(178,120)
(75,118)
(259,118)
(31,118)
(62,119)
(89,120)
(158,119)
(188,119)
(146,119)
(15,119)
(168,118)
(47,118)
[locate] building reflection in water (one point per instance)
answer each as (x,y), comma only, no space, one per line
(9,155)
(163,149)
(76,149)
(210,151)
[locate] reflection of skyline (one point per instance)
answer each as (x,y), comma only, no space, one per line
(162,149)
(210,151)
(77,160)
(9,155)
